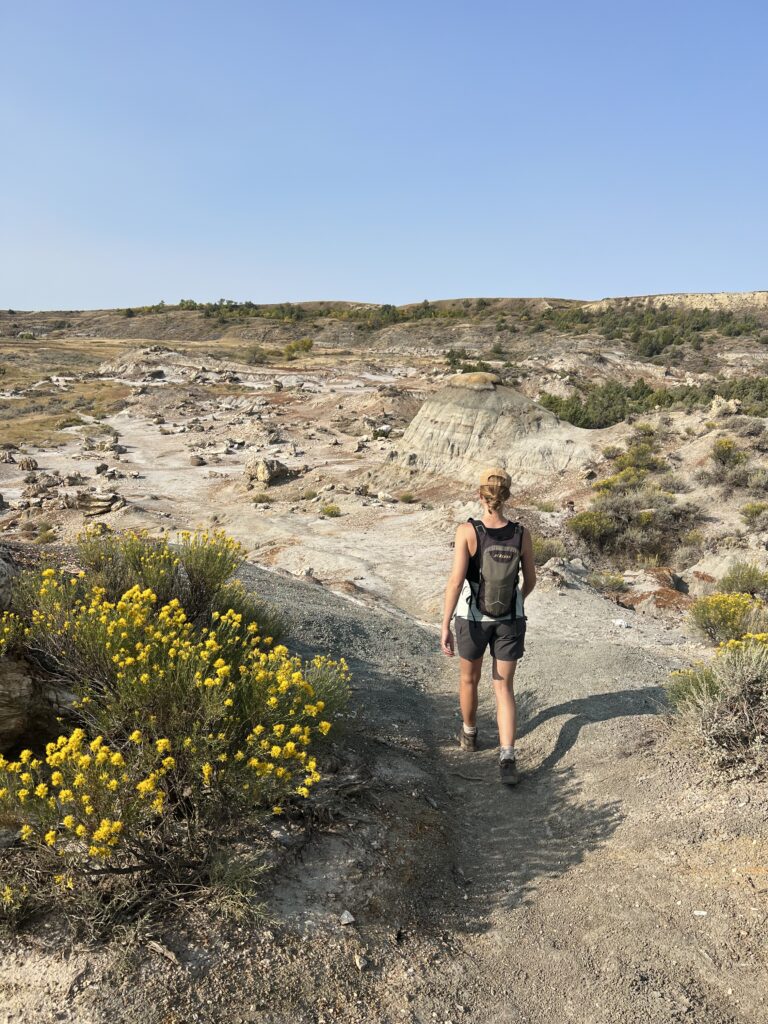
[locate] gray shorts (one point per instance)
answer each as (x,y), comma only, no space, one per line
(505,638)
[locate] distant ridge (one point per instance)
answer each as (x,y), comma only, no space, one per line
(693,300)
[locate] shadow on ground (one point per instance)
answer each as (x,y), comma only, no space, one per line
(498,844)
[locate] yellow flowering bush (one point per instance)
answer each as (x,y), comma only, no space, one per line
(727,616)
(192,569)
(9,631)
(180,728)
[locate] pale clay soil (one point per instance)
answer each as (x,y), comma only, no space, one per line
(618,883)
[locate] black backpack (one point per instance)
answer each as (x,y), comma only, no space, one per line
(499,566)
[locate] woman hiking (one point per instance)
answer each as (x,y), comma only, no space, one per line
(484,589)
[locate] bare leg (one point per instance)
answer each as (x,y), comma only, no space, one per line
(506,710)
(468,679)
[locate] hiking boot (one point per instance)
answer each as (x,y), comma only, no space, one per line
(508,771)
(467,741)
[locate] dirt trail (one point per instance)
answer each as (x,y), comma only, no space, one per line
(582,889)
(611,884)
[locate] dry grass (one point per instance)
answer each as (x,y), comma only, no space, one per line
(40,415)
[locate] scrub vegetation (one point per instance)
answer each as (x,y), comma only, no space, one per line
(189,723)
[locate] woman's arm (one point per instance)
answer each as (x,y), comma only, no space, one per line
(528,563)
(455,583)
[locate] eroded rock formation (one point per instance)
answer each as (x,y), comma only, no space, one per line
(475,420)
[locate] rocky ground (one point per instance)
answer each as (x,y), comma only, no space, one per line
(619,882)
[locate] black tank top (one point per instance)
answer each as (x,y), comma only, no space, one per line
(500,532)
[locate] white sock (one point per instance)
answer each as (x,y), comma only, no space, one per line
(470,730)
(507,753)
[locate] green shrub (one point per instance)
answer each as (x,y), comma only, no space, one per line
(627,480)
(644,431)
(672,482)
(754,514)
(723,706)
(691,686)
(613,583)
(407,498)
(208,561)
(640,455)
(455,356)
(545,548)
(257,356)
(728,616)
(757,480)
(331,511)
(299,347)
(262,498)
(744,578)
(308,495)
(725,452)
(603,405)
(747,426)
(593,526)
(612,451)
(638,520)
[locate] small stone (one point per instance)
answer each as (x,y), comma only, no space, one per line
(346,918)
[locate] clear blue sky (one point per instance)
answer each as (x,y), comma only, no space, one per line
(385,152)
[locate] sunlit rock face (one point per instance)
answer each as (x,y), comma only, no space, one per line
(475,421)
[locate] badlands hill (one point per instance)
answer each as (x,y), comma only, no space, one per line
(457,431)
(340,443)
(158,416)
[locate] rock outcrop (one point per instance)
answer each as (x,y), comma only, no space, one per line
(267,471)
(475,420)
(98,503)
(16,700)
(7,572)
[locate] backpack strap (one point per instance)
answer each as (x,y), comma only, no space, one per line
(477,527)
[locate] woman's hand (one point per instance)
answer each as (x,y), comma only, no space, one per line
(446,641)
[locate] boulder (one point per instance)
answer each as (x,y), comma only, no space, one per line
(267,471)
(654,591)
(16,698)
(8,571)
(27,464)
(196,460)
(98,503)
